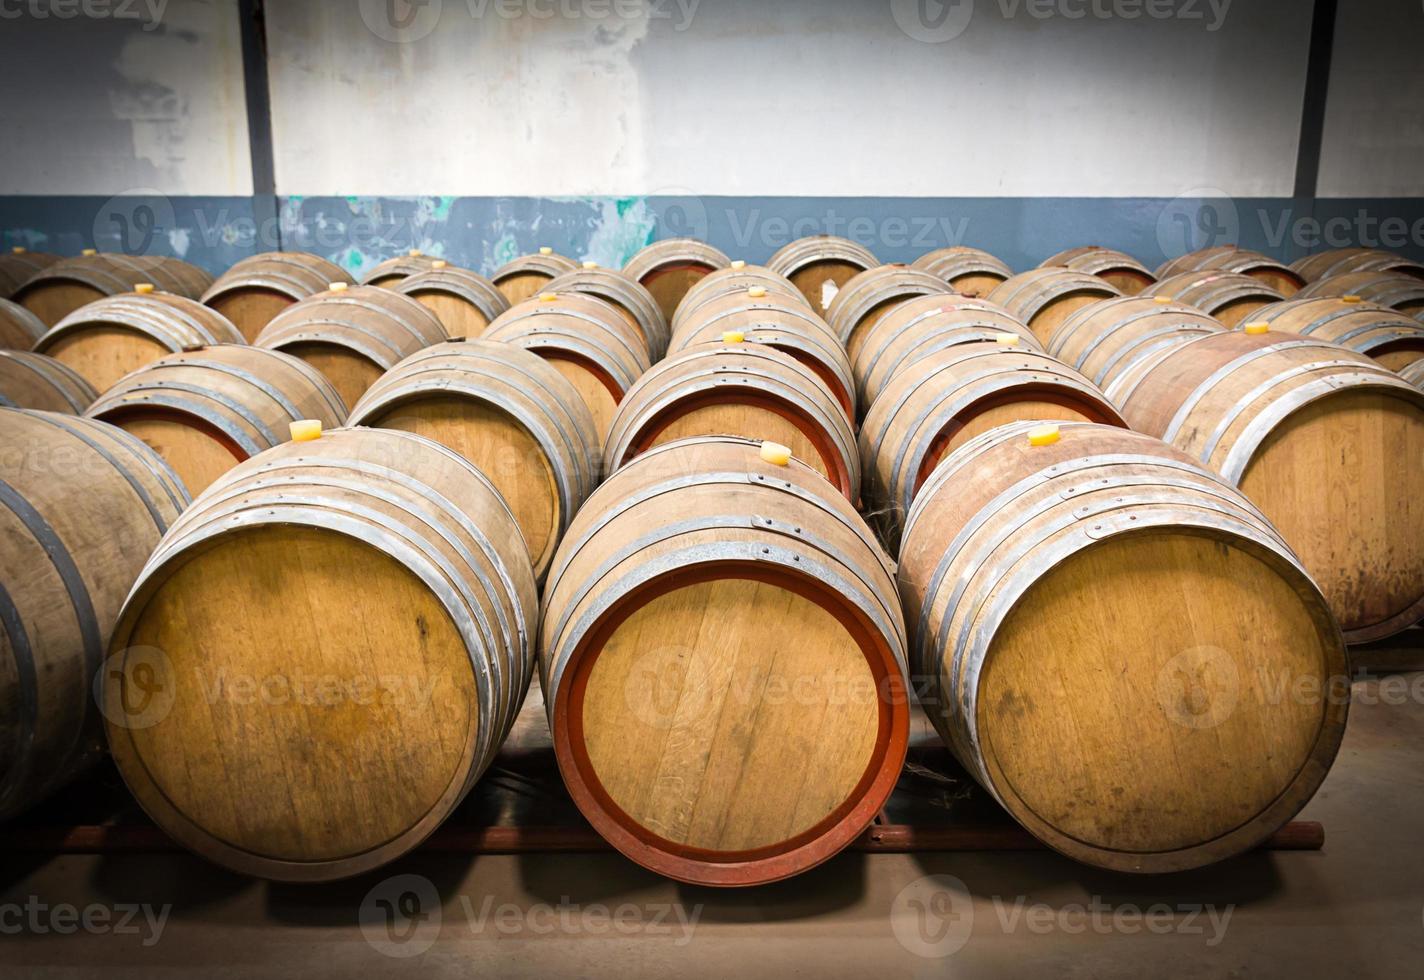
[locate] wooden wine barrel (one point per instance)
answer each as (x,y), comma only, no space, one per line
(1392,289)
(926,324)
(669,268)
(1229,296)
(971,271)
(1413,373)
(259,287)
(787,325)
(30,380)
(686,746)
(528,275)
(1078,610)
(84,504)
(1045,297)
(1231,258)
(1339,261)
(1122,270)
(873,293)
(735,280)
(19,328)
(1388,336)
(209,408)
(387,614)
(627,296)
(819,265)
(747,390)
(511,414)
(394,269)
(353,335)
(110,337)
(586,339)
(945,399)
(1108,338)
(63,287)
(464,302)
(19,265)
(1328,443)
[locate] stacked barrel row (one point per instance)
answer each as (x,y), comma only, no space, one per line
(770,435)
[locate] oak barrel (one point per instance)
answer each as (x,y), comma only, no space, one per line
(1045,297)
(735,280)
(1388,336)
(82,505)
(945,399)
(30,380)
(525,276)
(819,265)
(511,414)
(920,326)
(1328,443)
(1108,338)
(627,295)
(722,656)
(464,302)
(669,268)
(1229,296)
(110,337)
(19,328)
(1413,373)
(1078,617)
(398,267)
(261,286)
(1122,270)
(19,265)
(1232,258)
(206,409)
(1393,289)
(63,287)
(343,631)
(748,390)
(1337,262)
(870,295)
(586,339)
(353,335)
(971,271)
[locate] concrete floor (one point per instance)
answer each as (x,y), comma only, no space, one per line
(1354,909)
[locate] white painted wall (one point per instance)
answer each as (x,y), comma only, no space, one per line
(106,105)
(1374,116)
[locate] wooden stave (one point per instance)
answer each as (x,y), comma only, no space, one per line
(1363,327)
(468,286)
(1414,374)
(927,573)
(582,325)
(1028,294)
(677,380)
(19,328)
(437,531)
(923,325)
(1338,261)
(1205,432)
(735,280)
(1233,258)
(1090,332)
(933,393)
(129,498)
(873,290)
(1100,261)
(668,254)
(625,293)
(19,265)
(1395,290)
(60,388)
(957,261)
(835,260)
(481,370)
(790,327)
(111,274)
(396,268)
(537,265)
(1212,292)
(690,465)
(297,275)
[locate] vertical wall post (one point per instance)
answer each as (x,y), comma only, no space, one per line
(259,124)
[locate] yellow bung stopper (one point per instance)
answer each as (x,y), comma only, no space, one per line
(545,250)
(336,287)
(439,264)
(1257,327)
(739,263)
(590,264)
(89,251)
(1164,300)
(1043,435)
(413,253)
(143,287)
(305,430)
(775,453)
(1351,298)
(1007,339)
(756,292)
(733,337)
(17,249)
(192,348)
(548,297)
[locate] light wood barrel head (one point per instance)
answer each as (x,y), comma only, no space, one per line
(1045,297)
(1126,718)
(54,301)
(374,765)
(465,303)
(30,380)
(103,355)
(819,265)
(251,308)
(670,267)
(349,371)
(524,277)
